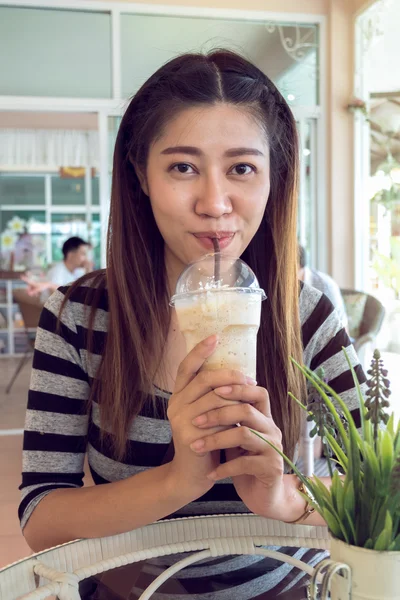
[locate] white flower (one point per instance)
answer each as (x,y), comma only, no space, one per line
(30,223)
(8,240)
(16,225)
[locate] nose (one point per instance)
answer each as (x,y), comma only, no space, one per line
(213,197)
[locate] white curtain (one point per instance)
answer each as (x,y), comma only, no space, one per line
(49,148)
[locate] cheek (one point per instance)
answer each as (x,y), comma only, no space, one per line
(256,201)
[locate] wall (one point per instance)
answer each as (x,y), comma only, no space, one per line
(340,172)
(291,6)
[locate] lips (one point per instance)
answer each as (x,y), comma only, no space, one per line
(205,238)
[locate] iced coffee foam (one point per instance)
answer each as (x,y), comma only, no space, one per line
(234,315)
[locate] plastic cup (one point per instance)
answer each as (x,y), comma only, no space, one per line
(229,307)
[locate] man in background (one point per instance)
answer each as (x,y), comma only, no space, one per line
(322,282)
(75,264)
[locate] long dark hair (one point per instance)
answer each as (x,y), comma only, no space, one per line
(139,314)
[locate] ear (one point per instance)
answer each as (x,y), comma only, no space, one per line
(142,179)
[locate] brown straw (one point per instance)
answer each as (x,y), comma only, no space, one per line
(217,260)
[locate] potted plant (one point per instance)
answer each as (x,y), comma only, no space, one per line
(362,507)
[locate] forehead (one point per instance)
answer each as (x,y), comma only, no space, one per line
(219,124)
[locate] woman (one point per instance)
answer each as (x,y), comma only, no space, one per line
(207,148)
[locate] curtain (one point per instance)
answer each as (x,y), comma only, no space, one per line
(52,149)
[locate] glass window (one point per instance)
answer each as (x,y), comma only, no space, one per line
(64,226)
(78,65)
(68,191)
(307,233)
(22,239)
(95,240)
(15,190)
(95,191)
(286,52)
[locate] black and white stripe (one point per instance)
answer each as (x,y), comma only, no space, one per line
(59,432)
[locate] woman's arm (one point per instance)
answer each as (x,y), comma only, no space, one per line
(55,508)
(102,510)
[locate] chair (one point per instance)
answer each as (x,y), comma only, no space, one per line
(58,571)
(365,314)
(30,309)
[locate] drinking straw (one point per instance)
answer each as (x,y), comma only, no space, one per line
(217,260)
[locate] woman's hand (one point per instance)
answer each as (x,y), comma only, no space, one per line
(256,468)
(194,395)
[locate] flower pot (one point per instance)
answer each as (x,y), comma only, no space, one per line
(374,575)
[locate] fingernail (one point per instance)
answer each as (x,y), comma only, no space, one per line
(212,475)
(210,341)
(196,446)
(227,389)
(201,420)
(251,381)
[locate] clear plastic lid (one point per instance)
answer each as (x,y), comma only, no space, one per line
(216,273)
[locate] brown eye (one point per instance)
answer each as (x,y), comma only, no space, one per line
(183,168)
(242,169)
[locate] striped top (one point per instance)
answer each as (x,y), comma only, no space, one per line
(59,432)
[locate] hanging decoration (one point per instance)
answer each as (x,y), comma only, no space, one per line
(297,41)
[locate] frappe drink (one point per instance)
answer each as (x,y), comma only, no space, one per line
(229,307)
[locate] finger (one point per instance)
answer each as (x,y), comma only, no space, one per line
(193,362)
(254,394)
(244,465)
(208,403)
(236,437)
(245,414)
(208,380)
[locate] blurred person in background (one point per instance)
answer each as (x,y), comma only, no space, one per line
(322,282)
(75,264)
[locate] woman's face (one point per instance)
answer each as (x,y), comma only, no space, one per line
(208,176)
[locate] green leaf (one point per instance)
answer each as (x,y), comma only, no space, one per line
(342,458)
(372,460)
(320,385)
(349,500)
(366,426)
(337,494)
(387,455)
(384,539)
(380,521)
(333,525)
(390,426)
(369,544)
(396,543)
(351,525)
(300,403)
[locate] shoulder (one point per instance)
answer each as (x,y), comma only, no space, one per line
(73,303)
(313,302)
(54,269)
(325,280)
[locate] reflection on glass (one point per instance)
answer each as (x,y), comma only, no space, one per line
(78,65)
(68,190)
(32,239)
(286,52)
(64,226)
(17,189)
(22,239)
(307,230)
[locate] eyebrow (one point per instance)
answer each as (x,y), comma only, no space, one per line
(193,151)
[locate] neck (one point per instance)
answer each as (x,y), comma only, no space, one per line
(69,265)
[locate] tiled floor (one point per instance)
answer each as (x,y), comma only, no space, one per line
(12,410)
